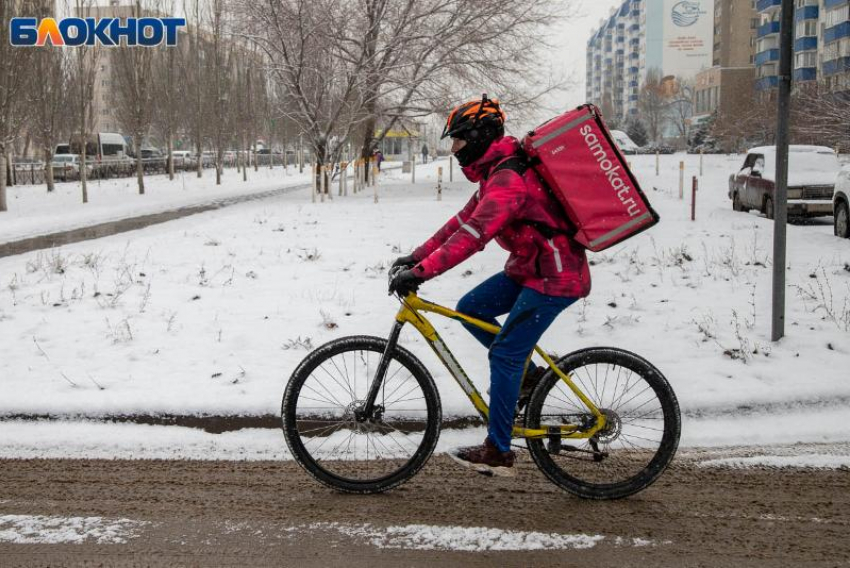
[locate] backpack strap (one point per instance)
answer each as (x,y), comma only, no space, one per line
(520,165)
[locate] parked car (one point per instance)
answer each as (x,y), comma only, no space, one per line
(67,166)
(184,159)
(811,181)
(841,203)
(626,144)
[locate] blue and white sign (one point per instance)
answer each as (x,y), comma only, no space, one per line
(686,13)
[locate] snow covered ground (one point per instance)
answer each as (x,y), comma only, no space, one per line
(211,313)
(33,211)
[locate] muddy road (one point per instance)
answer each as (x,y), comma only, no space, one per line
(191,513)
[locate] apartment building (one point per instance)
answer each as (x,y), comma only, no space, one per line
(821,45)
(726,89)
(673,36)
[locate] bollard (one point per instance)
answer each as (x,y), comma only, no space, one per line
(681,180)
(656,163)
(700,162)
(440,183)
(451,169)
(413,169)
(694,199)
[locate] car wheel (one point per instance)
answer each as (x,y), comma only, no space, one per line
(842,220)
(736,202)
(768,208)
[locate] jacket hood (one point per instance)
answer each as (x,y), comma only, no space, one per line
(500,149)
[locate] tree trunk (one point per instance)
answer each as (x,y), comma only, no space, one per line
(200,158)
(3,177)
(139,167)
(219,159)
(48,169)
(170,147)
(245,158)
(83,170)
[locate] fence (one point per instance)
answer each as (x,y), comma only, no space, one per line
(35,174)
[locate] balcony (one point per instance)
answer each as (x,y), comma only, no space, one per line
(836,32)
(805,74)
(767,29)
(768,5)
(806,13)
(833,3)
(766,83)
(806,44)
(840,65)
(767,56)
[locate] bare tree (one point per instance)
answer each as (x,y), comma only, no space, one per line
(821,116)
(348,65)
(86,60)
(192,70)
(15,76)
(681,107)
(652,104)
(49,101)
(132,74)
(167,83)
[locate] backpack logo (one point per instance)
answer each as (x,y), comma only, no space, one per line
(611,171)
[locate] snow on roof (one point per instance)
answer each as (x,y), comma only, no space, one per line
(807,165)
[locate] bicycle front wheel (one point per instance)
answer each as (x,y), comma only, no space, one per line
(326,432)
(640,436)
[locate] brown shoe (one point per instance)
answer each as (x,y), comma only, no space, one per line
(486,459)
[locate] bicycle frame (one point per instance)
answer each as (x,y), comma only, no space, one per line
(411,312)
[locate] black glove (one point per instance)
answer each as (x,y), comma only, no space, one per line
(404,261)
(403,282)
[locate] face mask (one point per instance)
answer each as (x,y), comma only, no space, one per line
(477,142)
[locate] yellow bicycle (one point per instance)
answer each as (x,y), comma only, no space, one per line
(361,414)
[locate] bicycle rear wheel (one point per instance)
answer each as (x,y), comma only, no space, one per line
(642,424)
(349,452)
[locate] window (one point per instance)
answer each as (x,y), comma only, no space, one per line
(835,17)
(754,23)
(805,59)
(806,28)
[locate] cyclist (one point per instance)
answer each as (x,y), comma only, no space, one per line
(545,273)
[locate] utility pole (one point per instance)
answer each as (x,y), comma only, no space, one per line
(780,211)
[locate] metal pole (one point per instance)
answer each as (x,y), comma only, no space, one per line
(780,215)
(451,169)
(440,183)
(656,163)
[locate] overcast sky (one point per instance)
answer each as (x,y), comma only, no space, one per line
(570,38)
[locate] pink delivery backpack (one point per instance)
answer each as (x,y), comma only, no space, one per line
(578,160)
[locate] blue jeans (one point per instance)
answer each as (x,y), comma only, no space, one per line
(530,313)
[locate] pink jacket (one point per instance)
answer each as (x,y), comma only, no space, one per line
(501,208)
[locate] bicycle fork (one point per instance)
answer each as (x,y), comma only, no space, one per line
(368,409)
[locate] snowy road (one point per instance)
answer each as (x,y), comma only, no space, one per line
(165,513)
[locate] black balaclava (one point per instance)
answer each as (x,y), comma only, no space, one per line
(477,142)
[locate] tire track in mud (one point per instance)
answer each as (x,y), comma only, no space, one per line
(258,513)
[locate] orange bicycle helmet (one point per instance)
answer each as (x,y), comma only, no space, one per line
(474,115)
